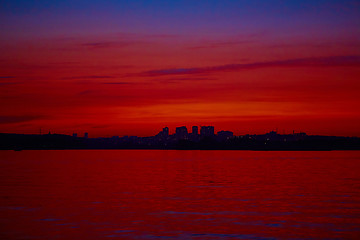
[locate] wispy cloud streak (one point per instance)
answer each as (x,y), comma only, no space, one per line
(4,119)
(117,83)
(220,44)
(299,62)
(89,77)
(110,44)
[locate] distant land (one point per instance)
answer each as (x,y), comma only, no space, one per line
(181,140)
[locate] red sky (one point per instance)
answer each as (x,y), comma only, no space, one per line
(134,81)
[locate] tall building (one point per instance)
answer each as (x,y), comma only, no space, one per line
(195,130)
(165,131)
(207,131)
(181,132)
(224,135)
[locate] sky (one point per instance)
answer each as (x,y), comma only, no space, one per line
(114,68)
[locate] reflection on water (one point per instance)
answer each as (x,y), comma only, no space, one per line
(179,195)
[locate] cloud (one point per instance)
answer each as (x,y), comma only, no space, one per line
(116,83)
(95,45)
(7,79)
(5,119)
(109,44)
(101,126)
(89,77)
(9,83)
(93,78)
(324,44)
(162,36)
(299,62)
(220,44)
(88,92)
(182,79)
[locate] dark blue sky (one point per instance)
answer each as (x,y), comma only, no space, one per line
(185,17)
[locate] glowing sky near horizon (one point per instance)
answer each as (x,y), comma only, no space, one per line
(133,67)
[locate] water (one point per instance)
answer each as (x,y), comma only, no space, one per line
(144,194)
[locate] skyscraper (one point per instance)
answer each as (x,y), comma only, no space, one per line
(207,131)
(181,132)
(195,130)
(165,131)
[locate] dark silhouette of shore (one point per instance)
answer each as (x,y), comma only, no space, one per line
(182,140)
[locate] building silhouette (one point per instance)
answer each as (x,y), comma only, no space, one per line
(194,135)
(181,132)
(181,139)
(163,135)
(207,131)
(165,131)
(224,135)
(195,130)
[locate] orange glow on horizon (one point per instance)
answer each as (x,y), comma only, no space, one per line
(135,89)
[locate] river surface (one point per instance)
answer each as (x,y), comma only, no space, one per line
(155,194)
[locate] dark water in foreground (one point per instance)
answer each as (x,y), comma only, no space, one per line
(179,195)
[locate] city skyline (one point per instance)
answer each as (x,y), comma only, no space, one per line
(203,130)
(182,139)
(181,132)
(130,67)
